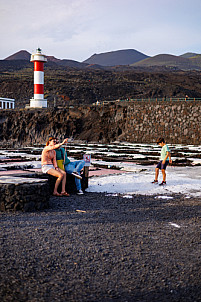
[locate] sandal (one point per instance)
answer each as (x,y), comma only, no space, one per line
(57,194)
(65,194)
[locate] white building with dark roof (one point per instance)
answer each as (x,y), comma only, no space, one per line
(6,103)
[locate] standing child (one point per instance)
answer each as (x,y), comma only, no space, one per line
(165,159)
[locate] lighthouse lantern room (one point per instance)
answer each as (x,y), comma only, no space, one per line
(38,100)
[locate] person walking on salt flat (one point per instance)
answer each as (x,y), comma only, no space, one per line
(165,159)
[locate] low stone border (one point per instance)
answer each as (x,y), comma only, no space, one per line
(31,192)
(24,194)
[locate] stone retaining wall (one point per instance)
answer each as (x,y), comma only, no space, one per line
(178,122)
(144,122)
(31,192)
(24,196)
(132,121)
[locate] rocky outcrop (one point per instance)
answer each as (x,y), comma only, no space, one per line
(143,122)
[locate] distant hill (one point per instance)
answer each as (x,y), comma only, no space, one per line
(188,55)
(20,55)
(71,63)
(52,59)
(66,63)
(25,56)
(196,60)
(166,60)
(14,65)
(119,57)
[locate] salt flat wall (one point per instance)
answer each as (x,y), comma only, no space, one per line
(144,122)
(178,122)
(139,122)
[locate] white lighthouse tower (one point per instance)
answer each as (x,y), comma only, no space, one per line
(39,59)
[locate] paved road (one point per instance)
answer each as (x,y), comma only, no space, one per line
(103,248)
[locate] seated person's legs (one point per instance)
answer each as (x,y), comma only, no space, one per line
(59,176)
(70,168)
(75,168)
(79,164)
(63,190)
(78,183)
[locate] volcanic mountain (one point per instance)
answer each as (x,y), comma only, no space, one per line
(25,55)
(183,62)
(20,55)
(189,55)
(119,57)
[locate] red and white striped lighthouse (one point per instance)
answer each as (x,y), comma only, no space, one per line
(39,59)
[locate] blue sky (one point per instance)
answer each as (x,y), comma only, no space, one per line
(76,29)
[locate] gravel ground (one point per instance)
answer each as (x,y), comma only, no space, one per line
(103,248)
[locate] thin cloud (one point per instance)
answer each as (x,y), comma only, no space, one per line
(75,29)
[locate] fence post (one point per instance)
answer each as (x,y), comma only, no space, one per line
(85,181)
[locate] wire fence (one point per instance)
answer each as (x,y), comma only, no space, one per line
(159,99)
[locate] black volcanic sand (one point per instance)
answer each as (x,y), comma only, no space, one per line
(117,249)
